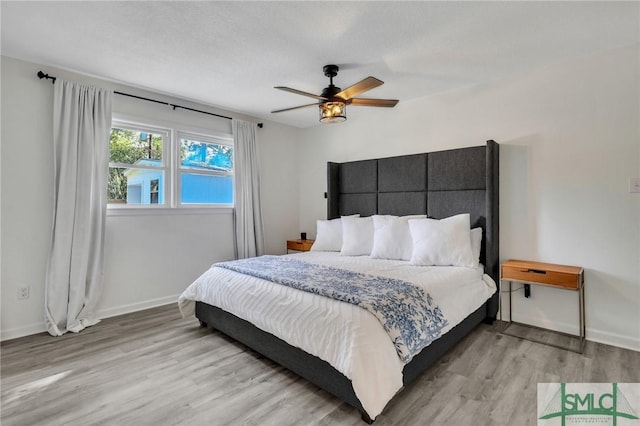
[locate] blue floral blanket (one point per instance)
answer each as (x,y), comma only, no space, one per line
(407,313)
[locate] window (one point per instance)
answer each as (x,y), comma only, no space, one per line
(206,171)
(135,159)
(152,166)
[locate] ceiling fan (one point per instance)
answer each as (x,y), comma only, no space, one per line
(333,100)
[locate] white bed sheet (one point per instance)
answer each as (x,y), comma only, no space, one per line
(349,338)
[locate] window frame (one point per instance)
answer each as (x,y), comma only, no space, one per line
(172,168)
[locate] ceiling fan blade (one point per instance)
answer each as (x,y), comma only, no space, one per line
(361,86)
(297,107)
(389,103)
(300,92)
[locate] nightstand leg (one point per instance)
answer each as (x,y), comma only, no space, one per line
(510,303)
(583,327)
(504,323)
(500,302)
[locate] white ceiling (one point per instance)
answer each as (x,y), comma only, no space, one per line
(231,54)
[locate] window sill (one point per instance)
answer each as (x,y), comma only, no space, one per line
(167,211)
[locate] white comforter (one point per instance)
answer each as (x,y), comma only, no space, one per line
(349,338)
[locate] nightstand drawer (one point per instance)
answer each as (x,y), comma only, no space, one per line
(541,273)
(299,245)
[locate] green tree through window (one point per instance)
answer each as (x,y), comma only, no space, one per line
(128,147)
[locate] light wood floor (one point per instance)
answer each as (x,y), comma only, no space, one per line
(155,368)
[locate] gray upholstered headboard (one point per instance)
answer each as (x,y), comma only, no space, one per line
(439,184)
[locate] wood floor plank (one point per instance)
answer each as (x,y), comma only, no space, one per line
(155,368)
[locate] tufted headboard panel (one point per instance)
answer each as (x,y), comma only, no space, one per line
(439,184)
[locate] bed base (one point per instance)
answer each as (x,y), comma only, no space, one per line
(320,372)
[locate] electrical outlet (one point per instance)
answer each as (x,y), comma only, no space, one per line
(23,293)
(634,185)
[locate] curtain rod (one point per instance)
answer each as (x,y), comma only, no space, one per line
(42,75)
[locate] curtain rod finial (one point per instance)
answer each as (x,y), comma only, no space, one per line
(42,75)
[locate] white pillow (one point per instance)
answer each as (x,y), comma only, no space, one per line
(476,245)
(357,236)
(329,235)
(445,242)
(392,238)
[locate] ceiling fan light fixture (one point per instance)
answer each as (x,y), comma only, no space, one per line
(333,112)
(333,100)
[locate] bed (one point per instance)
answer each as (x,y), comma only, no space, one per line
(356,364)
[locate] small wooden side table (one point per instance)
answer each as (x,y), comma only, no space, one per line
(548,274)
(299,245)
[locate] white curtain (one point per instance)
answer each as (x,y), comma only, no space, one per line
(81,127)
(247,215)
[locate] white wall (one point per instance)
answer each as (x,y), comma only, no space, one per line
(149,259)
(569,138)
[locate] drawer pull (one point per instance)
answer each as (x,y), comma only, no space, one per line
(537,271)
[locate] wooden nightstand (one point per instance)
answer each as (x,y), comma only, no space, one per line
(299,245)
(548,274)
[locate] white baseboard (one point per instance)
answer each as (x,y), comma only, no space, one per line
(27,330)
(138,306)
(614,339)
(605,337)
